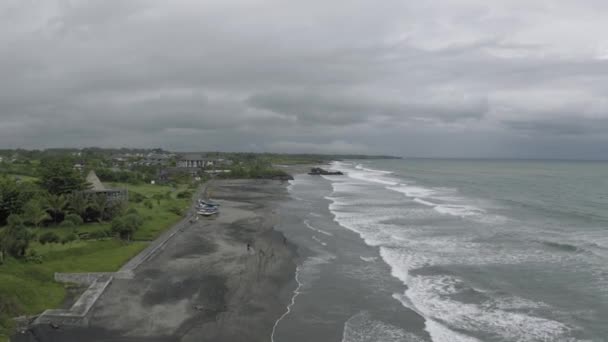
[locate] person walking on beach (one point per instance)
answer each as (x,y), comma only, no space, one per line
(248,247)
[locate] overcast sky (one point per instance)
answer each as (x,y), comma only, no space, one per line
(449,78)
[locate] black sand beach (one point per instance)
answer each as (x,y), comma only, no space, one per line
(203,284)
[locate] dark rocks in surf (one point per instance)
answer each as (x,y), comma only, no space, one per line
(317,171)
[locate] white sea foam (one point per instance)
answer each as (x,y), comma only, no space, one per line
(459,210)
(427,203)
(363,328)
(315,214)
(372,177)
(368,259)
(305,275)
(319,240)
(412,190)
(440,333)
(431,296)
(360,167)
(316,229)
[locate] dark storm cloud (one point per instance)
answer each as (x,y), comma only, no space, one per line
(436,78)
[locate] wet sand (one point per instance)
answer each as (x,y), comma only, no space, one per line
(203,284)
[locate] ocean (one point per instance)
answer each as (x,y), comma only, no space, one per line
(449,251)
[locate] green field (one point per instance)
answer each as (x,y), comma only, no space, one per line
(28,287)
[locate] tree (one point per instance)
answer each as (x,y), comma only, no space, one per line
(34,213)
(13,196)
(100,204)
(58,177)
(125,226)
(56,204)
(9,198)
(79,202)
(15,238)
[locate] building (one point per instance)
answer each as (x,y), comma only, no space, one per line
(193,161)
(98,189)
(156,159)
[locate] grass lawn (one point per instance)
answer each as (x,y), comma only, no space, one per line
(24,178)
(28,288)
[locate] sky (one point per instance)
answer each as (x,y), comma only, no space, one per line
(449,78)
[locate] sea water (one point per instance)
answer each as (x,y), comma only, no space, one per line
(449,250)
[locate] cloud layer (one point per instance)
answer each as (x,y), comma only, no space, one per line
(455,78)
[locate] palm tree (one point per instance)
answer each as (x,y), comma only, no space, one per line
(34,213)
(78,202)
(100,204)
(56,204)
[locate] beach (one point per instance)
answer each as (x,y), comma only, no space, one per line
(204,283)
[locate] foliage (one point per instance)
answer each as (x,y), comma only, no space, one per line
(158,197)
(132,211)
(13,196)
(125,226)
(176,210)
(184,194)
(136,197)
(57,176)
(123,176)
(69,238)
(76,220)
(67,224)
(15,238)
(100,206)
(148,204)
(79,202)
(48,237)
(34,213)
(55,205)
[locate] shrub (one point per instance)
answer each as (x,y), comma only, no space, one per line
(126,225)
(175,210)
(69,238)
(136,197)
(100,234)
(184,194)
(48,237)
(132,211)
(32,256)
(67,224)
(75,219)
(148,204)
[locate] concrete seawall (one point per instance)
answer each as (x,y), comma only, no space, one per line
(98,281)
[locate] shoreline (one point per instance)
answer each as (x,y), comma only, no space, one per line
(203,284)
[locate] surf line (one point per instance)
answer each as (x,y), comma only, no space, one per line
(316,229)
(296,292)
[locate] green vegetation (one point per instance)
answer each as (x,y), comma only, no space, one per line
(48,225)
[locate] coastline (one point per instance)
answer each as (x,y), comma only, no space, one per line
(203,284)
